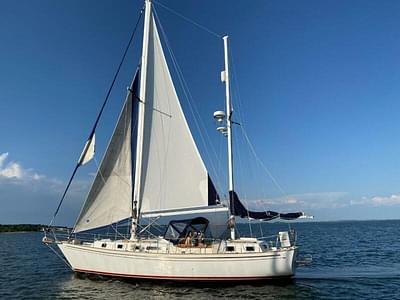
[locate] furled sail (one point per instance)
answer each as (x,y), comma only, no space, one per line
(238,209)
(173,175)
(110,197)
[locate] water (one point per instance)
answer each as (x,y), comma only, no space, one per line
(351,260)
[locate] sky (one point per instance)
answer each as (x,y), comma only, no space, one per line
(315,88)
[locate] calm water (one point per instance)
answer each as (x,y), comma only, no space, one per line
(351,260)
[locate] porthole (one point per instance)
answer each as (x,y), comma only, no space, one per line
(152,248)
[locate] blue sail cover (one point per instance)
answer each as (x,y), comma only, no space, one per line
(213,197)
(238,209)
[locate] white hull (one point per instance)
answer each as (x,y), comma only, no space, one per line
(268,264)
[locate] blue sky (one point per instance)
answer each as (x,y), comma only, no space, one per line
(319,98)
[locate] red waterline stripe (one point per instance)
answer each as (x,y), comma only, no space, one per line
(179,277)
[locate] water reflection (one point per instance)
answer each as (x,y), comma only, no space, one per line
(84,286)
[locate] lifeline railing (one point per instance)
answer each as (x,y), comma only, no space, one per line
(57,234)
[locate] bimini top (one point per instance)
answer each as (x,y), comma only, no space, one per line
(180,229)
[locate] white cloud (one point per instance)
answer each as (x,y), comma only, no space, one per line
(323,200)
(3,157)
(304,201)
(391,200)
(37,176)
(378,200)
(291,200)
(13,173)
(29,197)
(14,170)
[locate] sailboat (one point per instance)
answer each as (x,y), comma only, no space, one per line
(153,168)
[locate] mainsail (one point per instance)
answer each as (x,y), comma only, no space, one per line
(110,197)
(173,175)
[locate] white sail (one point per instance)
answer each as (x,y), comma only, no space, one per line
(88,151)
(110,197)
(173,175)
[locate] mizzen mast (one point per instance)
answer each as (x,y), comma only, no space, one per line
(225,78)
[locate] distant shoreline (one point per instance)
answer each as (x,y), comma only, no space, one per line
(24,228)
(20,228)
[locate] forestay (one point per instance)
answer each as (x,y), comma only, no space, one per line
(173,173)
(110,197)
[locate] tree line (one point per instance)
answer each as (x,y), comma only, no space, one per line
(20,227)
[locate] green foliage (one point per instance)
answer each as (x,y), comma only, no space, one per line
(20,227)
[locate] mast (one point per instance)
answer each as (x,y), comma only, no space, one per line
(140,126)
(229,135)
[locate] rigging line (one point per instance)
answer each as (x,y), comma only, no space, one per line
(150,224)
(163,113)
(220,168)
(264,166)
(164,168)
(244,160)
(237,167)
(99,115)
(98,170)
(240,164)
(245,198)
(117,232)
(188,20)
(261,230)
(240,112)
(118,69)
(182,81)
(193,109)
(153,108)
(188,96)
(275,182)
(238,142)
(98,166)
(59,256)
